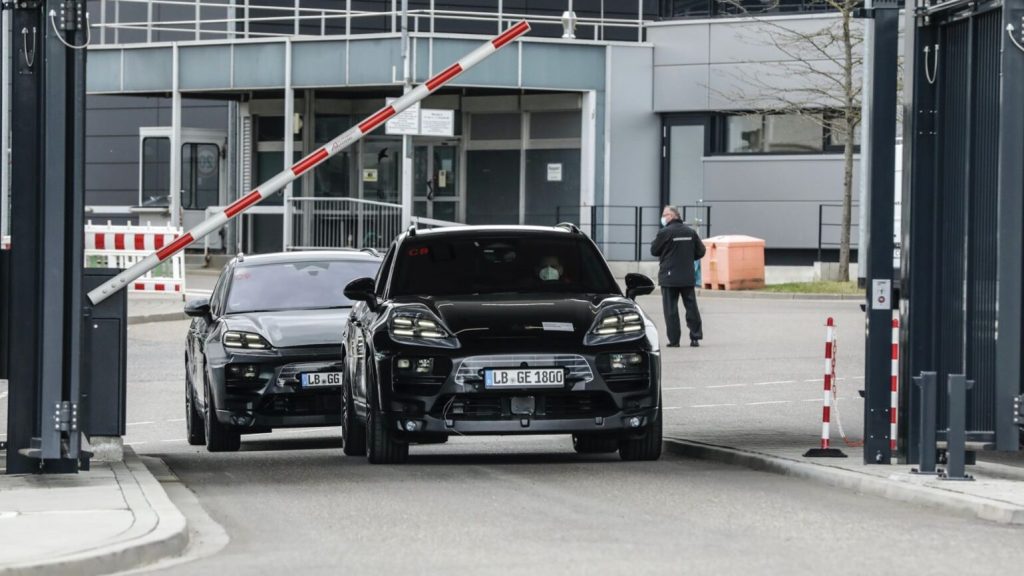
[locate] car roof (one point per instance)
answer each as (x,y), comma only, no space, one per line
(467,231)
(305,256)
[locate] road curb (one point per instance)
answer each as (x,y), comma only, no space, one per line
(753,295)
(164,317)
(158,531)
(891,488)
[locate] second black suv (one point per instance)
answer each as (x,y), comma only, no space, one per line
(499,330)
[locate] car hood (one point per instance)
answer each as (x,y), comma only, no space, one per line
(488,317)
(284,329)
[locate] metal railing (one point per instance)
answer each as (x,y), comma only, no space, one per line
(147,21)
(830,230)
(624,233)
(320,223)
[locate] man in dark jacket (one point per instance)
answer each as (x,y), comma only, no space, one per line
(677,247)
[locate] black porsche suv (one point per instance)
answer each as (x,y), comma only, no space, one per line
(488,330)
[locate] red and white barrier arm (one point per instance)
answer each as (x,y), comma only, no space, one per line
(279,181)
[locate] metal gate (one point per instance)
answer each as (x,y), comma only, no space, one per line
(955,243)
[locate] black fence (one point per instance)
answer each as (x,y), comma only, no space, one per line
(623,233)
(830,230)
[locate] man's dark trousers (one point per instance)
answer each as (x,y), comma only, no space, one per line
(670,302)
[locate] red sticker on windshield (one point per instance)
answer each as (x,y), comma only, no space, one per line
(419,251)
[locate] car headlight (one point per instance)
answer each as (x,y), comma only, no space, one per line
(420,327)
(245,340)
(619,324)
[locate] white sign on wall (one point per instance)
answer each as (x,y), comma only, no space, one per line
(555,172)
(406,123)
(437,122)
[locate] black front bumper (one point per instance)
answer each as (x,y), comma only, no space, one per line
(442,404)
(276,399)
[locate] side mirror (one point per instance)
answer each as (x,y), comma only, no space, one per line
(638,285)
(198,308)
(361,290)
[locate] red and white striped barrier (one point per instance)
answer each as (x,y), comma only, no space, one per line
(281,180)
(110,246)
(830,374)
(5,243)
(894,388)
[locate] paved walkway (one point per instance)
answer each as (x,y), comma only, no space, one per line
(112,518)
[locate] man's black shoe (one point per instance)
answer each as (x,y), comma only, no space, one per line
(671,345)
(694,343)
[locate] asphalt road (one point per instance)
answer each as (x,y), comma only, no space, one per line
(290,501)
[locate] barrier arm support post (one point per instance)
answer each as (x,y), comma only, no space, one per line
(278,182)
(826,450)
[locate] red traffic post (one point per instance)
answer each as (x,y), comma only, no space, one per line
(826,450)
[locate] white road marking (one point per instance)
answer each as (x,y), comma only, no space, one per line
(768,402)
(176,420)
(812,400)
(134,443)
(174,440)
(710,405)
(727,386)
(679,388)
(671,407)
(774,382)
(139,423)
(815,379)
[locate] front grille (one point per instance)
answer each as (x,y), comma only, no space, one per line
(470,369)
(289,374)
(551,405)
(300,404)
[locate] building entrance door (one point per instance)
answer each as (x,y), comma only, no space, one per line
(684,140)
(435,181)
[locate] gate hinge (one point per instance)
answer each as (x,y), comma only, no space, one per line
(65,416)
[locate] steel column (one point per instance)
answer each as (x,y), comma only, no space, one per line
(883,165)
(1011,239)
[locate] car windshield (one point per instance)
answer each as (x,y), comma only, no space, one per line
(310,285)
(492,265)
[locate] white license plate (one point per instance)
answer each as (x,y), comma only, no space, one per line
(525,378)
(319,379)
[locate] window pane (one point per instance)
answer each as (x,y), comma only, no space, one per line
(686,8)
(156,172)
(548,125)
(837,133)
(495,127)
(793,133)
(200,176)
(745,134)
(333,177)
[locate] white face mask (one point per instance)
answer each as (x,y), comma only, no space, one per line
(549,273)
(664,222)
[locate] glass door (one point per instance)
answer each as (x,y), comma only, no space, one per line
(685,140)
(435,181)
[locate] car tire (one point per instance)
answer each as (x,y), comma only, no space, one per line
(381,447)
(219,438)
(353,432)
(594,444)
(194,426)
(647,447)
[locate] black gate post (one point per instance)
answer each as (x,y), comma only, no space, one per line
(879,294)
(1008,372)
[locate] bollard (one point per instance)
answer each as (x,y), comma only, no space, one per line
(956,434)
(826,450)
(926,422)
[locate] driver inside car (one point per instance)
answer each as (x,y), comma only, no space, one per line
(551,269)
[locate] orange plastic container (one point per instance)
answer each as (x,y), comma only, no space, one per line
(733,263)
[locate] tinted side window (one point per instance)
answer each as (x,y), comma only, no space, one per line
(385,271)
(216,302)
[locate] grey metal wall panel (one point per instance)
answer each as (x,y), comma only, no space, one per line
(104,71)
(318,64)
(559,66)
(768,39)
(772,198)
(681,88)
(675,45)
(114,149)
(373,61)
(204,67)
(259,65)
(766,85)
(634,140)
(147,69)
(502,69)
